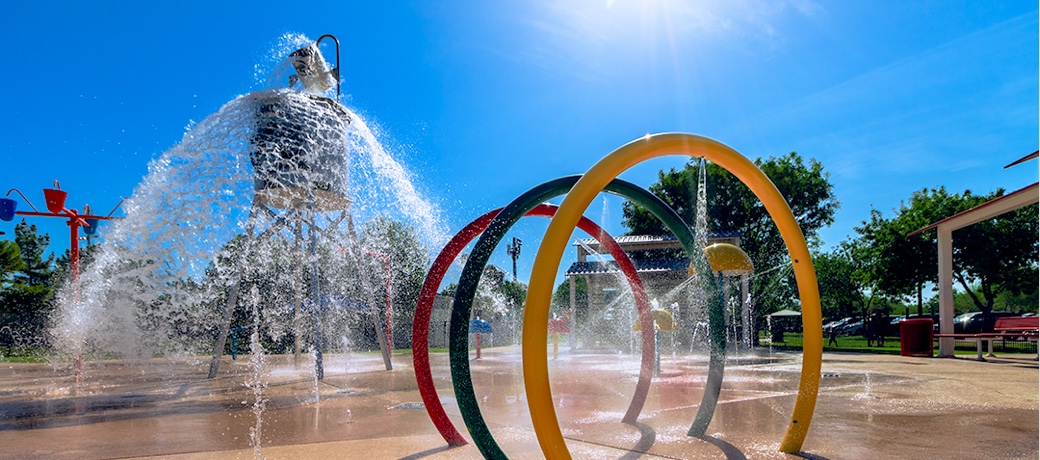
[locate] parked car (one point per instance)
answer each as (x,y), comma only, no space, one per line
(977,322)
(893,326)
(960,320)
(854,328)
(837,325)
(834,324)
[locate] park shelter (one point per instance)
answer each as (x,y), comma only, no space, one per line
(985,211)
(785,313)
(659,262)
(782,315)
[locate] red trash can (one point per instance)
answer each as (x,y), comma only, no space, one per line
(916,337)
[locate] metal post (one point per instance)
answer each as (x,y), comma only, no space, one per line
(297,290)
(513,249)
(77,362)
(389,311)
(657,354)
(745,308)
(318,336)
(232,300)
(74,251)
(74,221)
(389,305)
(352,251)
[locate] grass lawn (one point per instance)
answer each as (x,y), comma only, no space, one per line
(33,356)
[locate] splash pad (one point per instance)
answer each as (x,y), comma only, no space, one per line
(298,175)
(141,406)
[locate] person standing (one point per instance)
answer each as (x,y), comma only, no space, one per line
(880,320)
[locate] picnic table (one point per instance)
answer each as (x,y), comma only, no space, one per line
(1010,327)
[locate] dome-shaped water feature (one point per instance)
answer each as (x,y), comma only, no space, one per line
(297,151)
(257,194)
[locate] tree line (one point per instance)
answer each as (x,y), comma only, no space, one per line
(880,267)
(28,280)
(185,312)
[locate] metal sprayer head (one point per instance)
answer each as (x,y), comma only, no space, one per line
(311,69)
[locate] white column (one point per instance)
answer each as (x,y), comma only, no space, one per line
(945,290)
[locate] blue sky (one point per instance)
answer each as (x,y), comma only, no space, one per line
(483,100)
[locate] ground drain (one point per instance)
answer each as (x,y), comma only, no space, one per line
(410,406)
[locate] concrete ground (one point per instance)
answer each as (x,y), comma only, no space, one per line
(870,406)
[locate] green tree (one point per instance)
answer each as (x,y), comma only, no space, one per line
(990,257)
(732,207)
(999,254)
(840,295)
(561,300)
(408,260)
(497,295)
(37,269)
(62,264)
(10,262)
(26,309)
(897,265)
(26,295)
(1024,302)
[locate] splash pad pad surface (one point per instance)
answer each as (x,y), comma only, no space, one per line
(870,406)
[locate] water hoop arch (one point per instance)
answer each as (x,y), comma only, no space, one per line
(547,261)
(424,307)
(466,291)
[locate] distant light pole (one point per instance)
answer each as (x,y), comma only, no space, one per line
(513,249)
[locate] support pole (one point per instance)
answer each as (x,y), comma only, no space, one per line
(297,290)
(74,252)
(232,300)
(657,354)
(946,313)
(389,305)
(745,308)
(716,366)
(318,335)
(353,250)
(77,360)
(389,311)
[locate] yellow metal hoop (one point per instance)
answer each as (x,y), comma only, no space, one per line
(547,262)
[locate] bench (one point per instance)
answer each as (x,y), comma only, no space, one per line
(1010,327)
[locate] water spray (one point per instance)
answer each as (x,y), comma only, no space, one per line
(300,179)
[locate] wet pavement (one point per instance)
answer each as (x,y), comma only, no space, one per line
(870,406)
